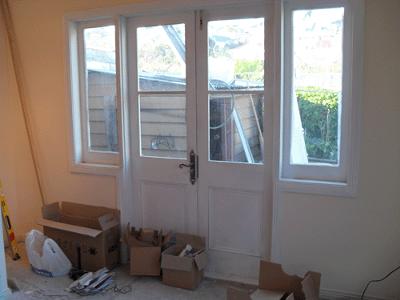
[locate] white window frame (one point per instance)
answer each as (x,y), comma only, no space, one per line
(85,160)
(319,178)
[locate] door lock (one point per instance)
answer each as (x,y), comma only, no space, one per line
(193,166)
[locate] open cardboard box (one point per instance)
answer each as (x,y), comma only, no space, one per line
(145,251)
(88,235)
(187,271)
(275,284)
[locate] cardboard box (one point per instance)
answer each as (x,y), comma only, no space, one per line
(145,251)
(88,235)
(275,284)
(184,272)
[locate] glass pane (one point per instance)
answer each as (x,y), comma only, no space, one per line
(317,84)
(101,88)
(236,54)
(163,126)
(236,127)
(161,58)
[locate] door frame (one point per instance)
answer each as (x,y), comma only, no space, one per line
(266,10)
(125,190)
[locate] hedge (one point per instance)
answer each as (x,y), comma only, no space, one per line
(319,117)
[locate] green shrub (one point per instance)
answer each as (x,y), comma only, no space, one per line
(319,117)
(252,70)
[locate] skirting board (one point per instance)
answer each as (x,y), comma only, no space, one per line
(325,294)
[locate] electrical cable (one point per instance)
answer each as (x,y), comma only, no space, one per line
(230,114)
(378,280)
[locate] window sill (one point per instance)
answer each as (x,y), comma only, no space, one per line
(95,169)
(325,188)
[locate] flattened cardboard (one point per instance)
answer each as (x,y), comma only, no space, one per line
(88,235)
(70,228)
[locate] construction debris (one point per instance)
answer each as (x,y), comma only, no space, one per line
(92,283)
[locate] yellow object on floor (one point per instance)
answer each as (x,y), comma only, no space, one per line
(7,225)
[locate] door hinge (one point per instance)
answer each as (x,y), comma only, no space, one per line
(201,19)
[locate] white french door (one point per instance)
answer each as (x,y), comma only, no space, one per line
(196,84)
(163,113)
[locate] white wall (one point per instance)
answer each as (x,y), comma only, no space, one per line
(16,169)
(353,240)
(350,240)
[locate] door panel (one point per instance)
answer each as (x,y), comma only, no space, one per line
(234,221)
(162,97)
(230,114)
(200,86)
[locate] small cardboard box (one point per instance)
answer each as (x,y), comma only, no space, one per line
(88,235)
(187,271)
(275,284)
(145,252)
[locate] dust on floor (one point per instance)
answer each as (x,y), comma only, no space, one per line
(33,286)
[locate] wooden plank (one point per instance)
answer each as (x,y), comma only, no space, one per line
(174,129)
(97,127)
(101,90)
(101,78)
(96,102)
(172,102)
(163,116)
(98,140)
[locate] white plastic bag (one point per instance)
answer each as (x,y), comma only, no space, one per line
(45,256)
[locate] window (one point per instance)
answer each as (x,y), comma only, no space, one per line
(320,59)
(320,90)
(161,76)
(95,106)
(236,90)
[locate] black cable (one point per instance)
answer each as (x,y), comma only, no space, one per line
(378,280)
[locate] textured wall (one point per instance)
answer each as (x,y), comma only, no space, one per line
(350,240)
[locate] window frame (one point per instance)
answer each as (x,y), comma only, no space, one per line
(321,178)
(273,77)
(85,160)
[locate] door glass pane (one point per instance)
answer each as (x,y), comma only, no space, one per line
(236,64)
(162,68)
(236,54)
(101,88)
(163,125)
(161,58)
(236,127)
(317,85)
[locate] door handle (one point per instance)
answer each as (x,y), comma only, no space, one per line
(193,166)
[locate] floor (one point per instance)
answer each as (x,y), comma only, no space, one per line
(32,286)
